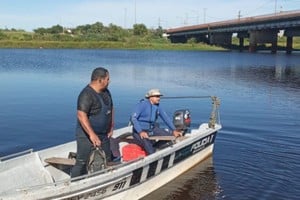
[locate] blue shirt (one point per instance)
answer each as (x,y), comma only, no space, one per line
(145,115)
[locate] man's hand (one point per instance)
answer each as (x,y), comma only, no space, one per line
(95,140)
(177,133)
(109,134)
(144,134)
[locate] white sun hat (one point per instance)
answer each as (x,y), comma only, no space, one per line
(153,92)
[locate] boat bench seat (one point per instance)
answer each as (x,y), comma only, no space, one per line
(69,161)
(60,161)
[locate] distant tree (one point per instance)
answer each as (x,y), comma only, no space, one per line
(140,29)
(159,32)
(56,29)
(83,29)
(53,30)
(115,33)
(40,31)
(96,28)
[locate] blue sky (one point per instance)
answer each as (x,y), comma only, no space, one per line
(32,14)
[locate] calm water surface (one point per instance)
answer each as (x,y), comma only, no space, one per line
(256,153)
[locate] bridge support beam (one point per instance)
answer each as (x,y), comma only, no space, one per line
(262,37)
(223,39)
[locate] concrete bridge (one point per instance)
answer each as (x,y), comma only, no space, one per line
(259,29)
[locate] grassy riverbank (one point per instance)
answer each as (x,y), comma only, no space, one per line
(21,39)
(109,37)
(107,45)
(152,45)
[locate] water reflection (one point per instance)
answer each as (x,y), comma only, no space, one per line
(199,183)
(280,75)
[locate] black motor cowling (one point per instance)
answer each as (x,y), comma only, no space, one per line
(182,119)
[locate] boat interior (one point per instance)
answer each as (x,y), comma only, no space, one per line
(53,165)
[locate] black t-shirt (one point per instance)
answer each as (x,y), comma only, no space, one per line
(88,100)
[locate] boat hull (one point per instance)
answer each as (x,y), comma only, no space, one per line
(163,178)
(132,180)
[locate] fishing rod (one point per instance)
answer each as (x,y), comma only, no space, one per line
(185,97)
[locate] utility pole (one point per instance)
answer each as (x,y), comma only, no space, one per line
(186,21)
(125,18)
(197,15)
(204,15)
(135,12)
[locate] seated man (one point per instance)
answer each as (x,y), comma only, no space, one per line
(144,119)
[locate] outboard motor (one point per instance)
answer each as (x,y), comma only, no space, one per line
(182,119)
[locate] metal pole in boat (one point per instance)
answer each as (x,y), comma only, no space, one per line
(185,97)
(214,113)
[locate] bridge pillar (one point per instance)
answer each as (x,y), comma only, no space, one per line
(289,45)
(220,39)
(242,36)
(241,42)
(261,37)
(289,33)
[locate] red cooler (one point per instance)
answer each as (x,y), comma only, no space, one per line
(132,152)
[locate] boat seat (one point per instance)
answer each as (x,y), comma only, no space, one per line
(69,161)
(60,161)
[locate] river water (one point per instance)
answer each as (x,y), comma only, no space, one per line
(256,154)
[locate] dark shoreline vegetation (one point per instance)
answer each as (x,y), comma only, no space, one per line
(98,36)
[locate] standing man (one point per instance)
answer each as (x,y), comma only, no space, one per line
(94,119)
(144,119)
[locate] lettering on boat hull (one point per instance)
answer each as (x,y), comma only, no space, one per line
(101,192)
(193,148)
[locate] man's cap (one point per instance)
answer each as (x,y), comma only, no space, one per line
(153,92)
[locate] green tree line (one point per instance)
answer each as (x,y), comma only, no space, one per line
(88,32)
(95,36)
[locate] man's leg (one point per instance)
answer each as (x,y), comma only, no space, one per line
(83,152)
(146,144)
(105,145)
